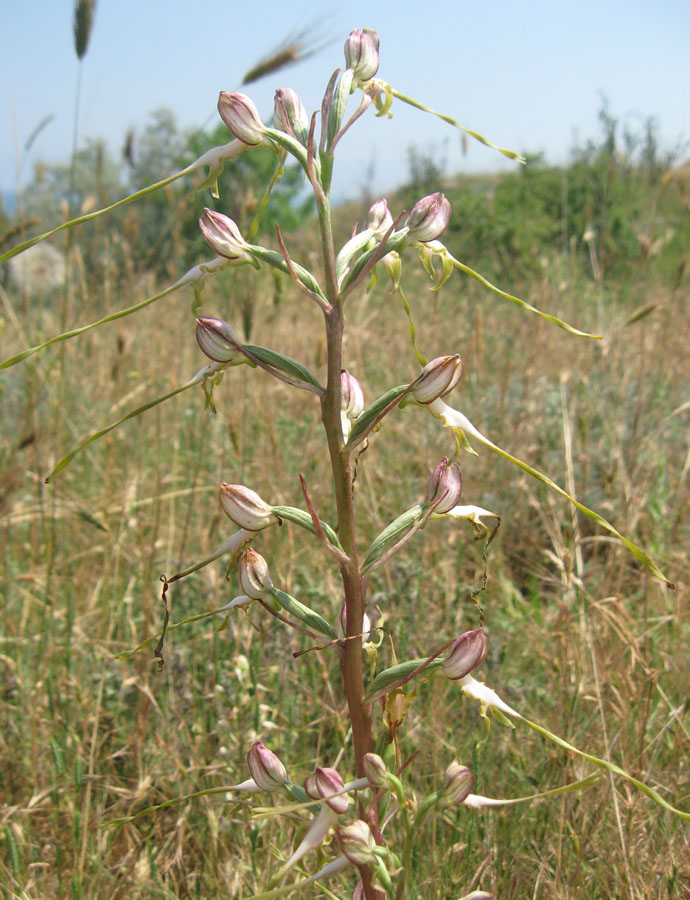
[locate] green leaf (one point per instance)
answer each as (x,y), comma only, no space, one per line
(303,519)
(390,536)
(373,414)
(284,364)
(306,615)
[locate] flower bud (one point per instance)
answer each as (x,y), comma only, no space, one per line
(375,769)
(351,395)
(252,570)
(357,842)
(437,379)
(287,104)
(379,219)
(342,622)
(265,768)
(457,784)
(445,487)
(324,782)
(466,653)
(429,218)
(217,339)
(241,117)
(362,53)
(245,508)
(222,235)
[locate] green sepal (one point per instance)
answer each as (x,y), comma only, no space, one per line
(300,517)
(394,242)
(277,261)
(305,615)
(399,672)
(341,95)
(284,364)
(390,536)
(372,414)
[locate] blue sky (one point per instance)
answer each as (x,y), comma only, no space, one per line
(528,75)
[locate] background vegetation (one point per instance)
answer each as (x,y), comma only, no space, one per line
(578,634)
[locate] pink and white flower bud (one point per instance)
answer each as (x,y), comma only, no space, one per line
(252,571)
(351,395)
(375,769)
(445,487)
(379,219)
(287,103)
(362,53)
(357,842)
(217,339)
(324,782)
(223,236)
(466,653)
(342,624)
(241,118)
(429,218)
(457,784)
(265,768)
(437,379)
(245,508)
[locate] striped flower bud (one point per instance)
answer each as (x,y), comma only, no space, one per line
(265,768)
(252,570)
(362,53)
(241,118)
(437,379)
(351,395)
(379,219)
(222,235)
(217,339)
(457,784)
(245,508)
(445,487)
(429,218)
(289,115)
(357,842)
(375,769)
(324,782)
(466,653)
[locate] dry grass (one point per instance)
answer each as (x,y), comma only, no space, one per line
(579,636)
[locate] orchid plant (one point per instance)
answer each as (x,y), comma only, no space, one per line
(365,827)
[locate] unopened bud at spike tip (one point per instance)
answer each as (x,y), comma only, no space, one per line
(445,487)
(217,339)
(466,653)
(245,508)
(357,842)
(252,570)
(362,53)
(457,784)
(222,235)
(429,218)
(437,379)
(241,118)
(324,782)
(266,769)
